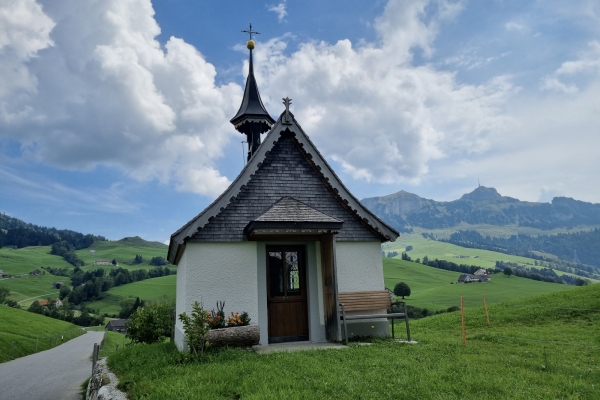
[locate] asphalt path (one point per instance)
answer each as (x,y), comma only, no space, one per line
(54,374)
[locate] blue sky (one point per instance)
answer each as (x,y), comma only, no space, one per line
(114,114)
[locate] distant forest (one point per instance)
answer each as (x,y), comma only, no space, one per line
(563,245)
(14,232)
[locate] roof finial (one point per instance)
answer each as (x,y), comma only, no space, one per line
(250,43)
(287,102)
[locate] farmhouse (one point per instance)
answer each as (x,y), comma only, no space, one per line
(35,272)
(104,262)
(116,325)
(284,240)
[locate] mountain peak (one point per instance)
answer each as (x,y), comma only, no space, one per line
(482,193)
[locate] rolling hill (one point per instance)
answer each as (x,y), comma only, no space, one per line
(27,288)
(24,328)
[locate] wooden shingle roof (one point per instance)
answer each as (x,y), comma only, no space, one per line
(289,209)
(280,130)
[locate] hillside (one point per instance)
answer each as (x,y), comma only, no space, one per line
(27,288)
(150,289)
(17,233)
(544,231)
(484,205)
(432,288)
(23,328)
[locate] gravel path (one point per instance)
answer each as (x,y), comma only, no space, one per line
(54,374)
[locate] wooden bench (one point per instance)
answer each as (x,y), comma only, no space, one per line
(369,301)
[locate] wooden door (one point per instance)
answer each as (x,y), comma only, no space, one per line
(286,293)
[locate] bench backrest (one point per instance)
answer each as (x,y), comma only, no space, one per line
(365,301)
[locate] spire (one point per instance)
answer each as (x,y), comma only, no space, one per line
(252,118)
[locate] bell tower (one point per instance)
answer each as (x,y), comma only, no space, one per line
(252,118)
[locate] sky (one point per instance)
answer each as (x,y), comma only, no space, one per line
(114,114)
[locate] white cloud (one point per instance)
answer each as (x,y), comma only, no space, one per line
(373,112)
(280,10)
(514,26)
(588,62)
(96,87)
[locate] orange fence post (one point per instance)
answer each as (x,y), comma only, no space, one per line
(487,314)
(462,310)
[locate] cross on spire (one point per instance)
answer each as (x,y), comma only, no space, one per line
(251,32)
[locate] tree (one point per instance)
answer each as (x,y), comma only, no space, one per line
(402,289)
(508,271)
(114,262)
(151,323)
(139,259)
(4,293)
(426,260)
(64,292)
(158,261)
(406,257)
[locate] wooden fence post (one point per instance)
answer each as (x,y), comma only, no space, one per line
(94,356)
(486,310)
(462,310)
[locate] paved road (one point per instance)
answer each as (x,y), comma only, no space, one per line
(54,374)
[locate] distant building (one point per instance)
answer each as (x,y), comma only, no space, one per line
(35,272)
(116,325)
(481,272)
(92,252)
(466,278)
(43,303)
(57,303)
(104,262)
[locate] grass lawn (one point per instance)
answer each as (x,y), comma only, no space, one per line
(149,289)
(431,288)
(23,328)
(542,350)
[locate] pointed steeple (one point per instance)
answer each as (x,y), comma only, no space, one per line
(252,118)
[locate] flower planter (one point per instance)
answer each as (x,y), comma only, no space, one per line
(236,336)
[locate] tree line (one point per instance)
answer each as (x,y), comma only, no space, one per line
(17,233)
(543,274)
(562,245)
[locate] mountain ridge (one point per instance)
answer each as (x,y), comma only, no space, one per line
(484,205)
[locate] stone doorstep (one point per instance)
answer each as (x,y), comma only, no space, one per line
(296,346)
(103,384)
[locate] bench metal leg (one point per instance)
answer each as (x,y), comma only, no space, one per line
(393,335)
(344,323)
(406,319)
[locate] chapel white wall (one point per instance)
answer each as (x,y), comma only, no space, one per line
(218,272)
(359,266)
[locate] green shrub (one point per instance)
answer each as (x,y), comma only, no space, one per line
(196,328)
(152,323)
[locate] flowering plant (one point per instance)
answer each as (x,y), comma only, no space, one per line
(217,320)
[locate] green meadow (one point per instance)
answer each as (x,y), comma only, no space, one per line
(124,251)
(149,289)
(27,288)
(446,251)
(436,289)
(24,328)
(543,347)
